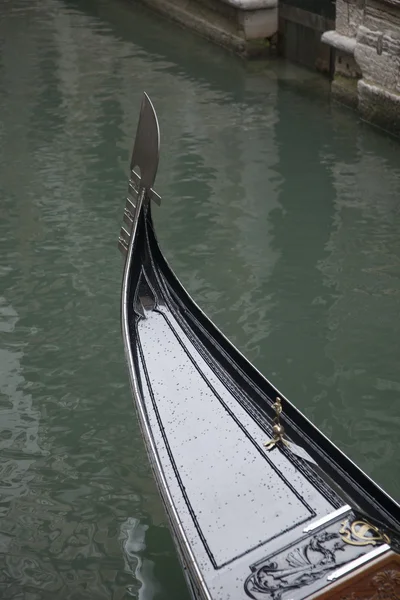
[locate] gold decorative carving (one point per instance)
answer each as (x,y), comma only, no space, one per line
(362,533)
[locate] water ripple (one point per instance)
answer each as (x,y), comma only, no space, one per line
(280,214)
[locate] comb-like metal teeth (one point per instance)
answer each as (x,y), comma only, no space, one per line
(134,184)
(154,196)
(122,247)
(130,206)
(135,179)
(132,191)
(128,219)
(124,235)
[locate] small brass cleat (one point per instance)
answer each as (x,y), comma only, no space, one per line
(278,429)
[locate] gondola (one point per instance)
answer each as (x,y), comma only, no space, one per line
(260,503)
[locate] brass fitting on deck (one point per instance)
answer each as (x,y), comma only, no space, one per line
(278,429)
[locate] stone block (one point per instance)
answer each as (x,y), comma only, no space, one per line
(379,106)
(356,17)
(259,24)
(343,43)
(367,66)
(342,18)
(380,15)
(378,56)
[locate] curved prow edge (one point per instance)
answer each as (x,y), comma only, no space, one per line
(145,157)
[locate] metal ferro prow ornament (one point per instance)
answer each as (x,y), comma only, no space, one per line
(145,157)
(278,429)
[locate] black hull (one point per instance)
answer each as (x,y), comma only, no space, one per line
(282,522)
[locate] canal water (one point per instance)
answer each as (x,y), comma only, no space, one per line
(281,215)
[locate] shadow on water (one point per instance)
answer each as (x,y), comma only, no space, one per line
(188,55)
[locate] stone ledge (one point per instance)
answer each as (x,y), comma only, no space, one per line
(252,4)
(339,42)
(376,89)
(245,31)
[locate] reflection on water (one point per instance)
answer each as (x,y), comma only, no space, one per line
(19,420)
(280,213)
(133,542)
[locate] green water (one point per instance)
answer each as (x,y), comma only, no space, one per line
(280,213)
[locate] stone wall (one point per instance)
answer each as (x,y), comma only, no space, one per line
(245,26)
(367,66)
